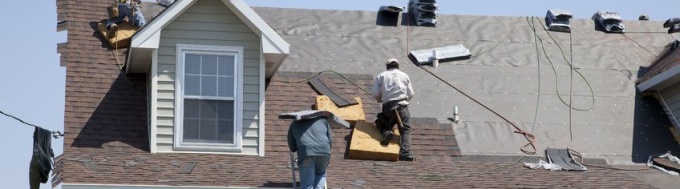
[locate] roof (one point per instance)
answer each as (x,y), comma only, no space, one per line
(611,121)
(106,137)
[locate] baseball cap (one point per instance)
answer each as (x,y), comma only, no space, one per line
(392,60)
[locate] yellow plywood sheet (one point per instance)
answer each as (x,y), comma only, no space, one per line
(365,144)
(350,113)
(121,38)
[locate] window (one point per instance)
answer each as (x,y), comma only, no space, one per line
(208,98)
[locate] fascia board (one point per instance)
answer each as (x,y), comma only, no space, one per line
(663,77)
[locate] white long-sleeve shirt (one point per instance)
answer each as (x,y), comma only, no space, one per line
(392,84)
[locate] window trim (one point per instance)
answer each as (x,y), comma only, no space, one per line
(181,50)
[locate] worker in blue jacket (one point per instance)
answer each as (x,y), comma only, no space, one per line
(311,139)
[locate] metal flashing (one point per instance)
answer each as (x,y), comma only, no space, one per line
(447,53)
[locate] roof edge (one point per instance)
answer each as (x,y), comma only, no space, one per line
(661,80)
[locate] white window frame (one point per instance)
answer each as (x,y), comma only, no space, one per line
(182,50)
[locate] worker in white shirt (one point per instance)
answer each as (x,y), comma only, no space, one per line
(392,88)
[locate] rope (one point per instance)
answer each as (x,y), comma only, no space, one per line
(538,66)
(528,136)
(55,134)
(496,45)
(559,96)
(321,72)
(638,44)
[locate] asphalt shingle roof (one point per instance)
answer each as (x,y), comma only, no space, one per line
(106,138)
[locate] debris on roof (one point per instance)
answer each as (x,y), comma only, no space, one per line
(365,144)
(444,54)
(610,22)
(564,159)
(325,86)
(352,113)
(558,20)
(667,163)
(424,11)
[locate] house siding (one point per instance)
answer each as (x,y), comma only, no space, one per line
(670,100)
(208,22)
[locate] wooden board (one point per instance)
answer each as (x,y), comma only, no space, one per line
(350,113)
(365,144)
(122,37)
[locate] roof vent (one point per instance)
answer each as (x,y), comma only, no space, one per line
(439,54)
(424,11)
(673,25)
(609,22)
(643,17)
(558,20)
(675,44)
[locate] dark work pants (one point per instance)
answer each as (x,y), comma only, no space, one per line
(34,174)
(387,119)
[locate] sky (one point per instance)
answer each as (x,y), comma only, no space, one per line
(32,81)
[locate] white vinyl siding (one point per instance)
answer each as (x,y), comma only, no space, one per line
(208,22)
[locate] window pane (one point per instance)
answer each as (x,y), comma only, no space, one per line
(226,65)
(208,130)
(209,86)
(226,88)
(225,110)
(208,109)
(191,109)
(192,64)
(192,85)
(225,131)
(209,66)
(190,129)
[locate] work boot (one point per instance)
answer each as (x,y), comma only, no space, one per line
(407,158)
(386,137)
(113,29)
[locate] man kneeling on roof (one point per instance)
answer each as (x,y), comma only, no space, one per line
(122,9)
(393,89)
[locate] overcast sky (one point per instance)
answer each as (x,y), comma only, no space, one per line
(32,81)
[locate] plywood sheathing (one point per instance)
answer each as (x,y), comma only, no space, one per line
(365,144)
(352,113)
(121,38)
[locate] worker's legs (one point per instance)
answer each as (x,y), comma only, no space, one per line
(137,18)
(405,131)
(313,172)
(125,10)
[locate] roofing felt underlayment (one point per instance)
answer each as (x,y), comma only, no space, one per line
(527,82)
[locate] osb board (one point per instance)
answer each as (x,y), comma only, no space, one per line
(350,113)
(122,37)
(365,144)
